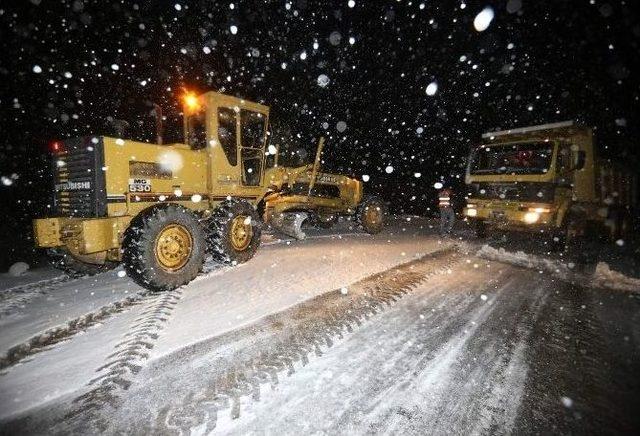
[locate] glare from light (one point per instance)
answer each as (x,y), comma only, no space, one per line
(472,212)
(531,217)
(191,102)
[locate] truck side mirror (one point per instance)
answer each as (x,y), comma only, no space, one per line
(580,160)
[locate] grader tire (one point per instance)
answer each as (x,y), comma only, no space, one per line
(61,259)
(164,248)
(234,232)
(371,214)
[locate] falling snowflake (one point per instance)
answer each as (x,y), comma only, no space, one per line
(233,29)
(388,169)
(37,69)
(323,80)
(482,21)
(432,88)
(341,126)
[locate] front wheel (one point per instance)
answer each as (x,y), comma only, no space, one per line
(569,235)
(370,214)
(164,248)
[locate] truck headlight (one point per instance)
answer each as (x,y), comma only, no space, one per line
(472,212)
(531,217)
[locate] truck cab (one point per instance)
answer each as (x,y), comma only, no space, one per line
(543,179)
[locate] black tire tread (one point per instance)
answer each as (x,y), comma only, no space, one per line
(370,200)
(218,230)
(139,240)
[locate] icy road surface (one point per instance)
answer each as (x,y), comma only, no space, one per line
(403,332)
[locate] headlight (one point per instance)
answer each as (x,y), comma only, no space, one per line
(540,210)
(531,217)
(472,212)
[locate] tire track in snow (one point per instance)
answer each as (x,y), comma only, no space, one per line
(14,298)
(128,358)
(43,341)
(245,379)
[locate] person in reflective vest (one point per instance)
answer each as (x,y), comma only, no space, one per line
(447,215)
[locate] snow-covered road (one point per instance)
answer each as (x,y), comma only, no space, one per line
(402,332)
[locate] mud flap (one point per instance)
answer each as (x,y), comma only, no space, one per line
(290,223)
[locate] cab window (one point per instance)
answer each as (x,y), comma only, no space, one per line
(253,127)
(197,131)
(227,134)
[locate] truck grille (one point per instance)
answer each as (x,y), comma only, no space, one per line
(523,191)
(79,178)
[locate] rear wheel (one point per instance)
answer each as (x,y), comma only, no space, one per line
(234,232)
(62,259)
(164,248)
(370,214)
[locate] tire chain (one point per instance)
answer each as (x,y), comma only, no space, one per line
(124,363)
(382,290)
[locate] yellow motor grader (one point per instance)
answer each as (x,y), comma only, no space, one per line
(160,209)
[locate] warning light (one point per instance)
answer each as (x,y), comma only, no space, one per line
(191,102)
(55,146)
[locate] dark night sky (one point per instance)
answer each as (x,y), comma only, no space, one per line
(539,61)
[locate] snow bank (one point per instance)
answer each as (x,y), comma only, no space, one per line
(525,260)
(18,269)
(605,277)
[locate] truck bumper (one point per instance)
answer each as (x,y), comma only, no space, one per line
(523,218)
(80,235)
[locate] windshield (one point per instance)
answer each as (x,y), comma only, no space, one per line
(515,158)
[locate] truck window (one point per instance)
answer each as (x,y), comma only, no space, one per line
(512,158)
(227,134)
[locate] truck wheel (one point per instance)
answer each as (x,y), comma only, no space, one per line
(324,221)
(234,232)
(569,235)
(164,248)
(480,229)
(370,214)
(61,259)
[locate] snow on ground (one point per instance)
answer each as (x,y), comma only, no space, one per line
(281,274)
(454,355)
(429,362)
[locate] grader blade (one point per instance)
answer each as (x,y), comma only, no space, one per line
(290,223)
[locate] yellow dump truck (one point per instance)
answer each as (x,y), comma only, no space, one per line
(160,208)
(548,179)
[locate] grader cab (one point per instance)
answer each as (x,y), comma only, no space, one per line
(160,209)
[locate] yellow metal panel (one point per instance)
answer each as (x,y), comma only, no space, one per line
(47,232)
